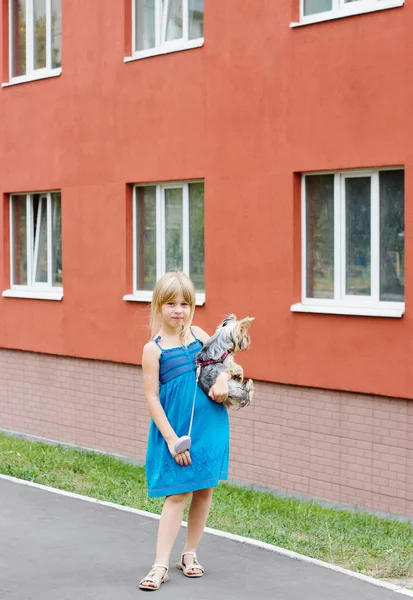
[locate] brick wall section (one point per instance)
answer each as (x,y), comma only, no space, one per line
(347,448)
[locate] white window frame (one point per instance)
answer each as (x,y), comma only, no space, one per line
(33,289)
(146,295)
(341,9)
(161,45)
(343,303)
(32,73)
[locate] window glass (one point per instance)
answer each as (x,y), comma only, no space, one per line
(313,7)
(39,34)
(159,22)
(358,232)
(196,235)
(18,38)
(40,238)
(145,25)
(19,240)
(161,242)
(320,235)
(57,273)
(343,232)
(196,19)
(173,16)
(56,34)
(36,217)
(392,236)
(30,21)
(146,237)
(340,8)
(173,229)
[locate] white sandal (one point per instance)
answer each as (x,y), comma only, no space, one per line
(195,565)
(151,577)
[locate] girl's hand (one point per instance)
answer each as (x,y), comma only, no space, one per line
(219,391)
(183,458)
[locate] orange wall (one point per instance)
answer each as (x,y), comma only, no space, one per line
(258,103)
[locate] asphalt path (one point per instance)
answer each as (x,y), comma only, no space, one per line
(54,547)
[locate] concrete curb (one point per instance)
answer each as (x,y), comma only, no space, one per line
(237,538)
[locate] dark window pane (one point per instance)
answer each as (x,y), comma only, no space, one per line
(196,235)
(18,38)
(319,191)
(39,34)
(57,273)
(173,229)
(392,236)
(146,237)
(56,34)
(19,239)
(358,232)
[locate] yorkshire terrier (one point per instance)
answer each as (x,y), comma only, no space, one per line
(218,354)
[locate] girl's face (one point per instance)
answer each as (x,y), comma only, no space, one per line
(176,313)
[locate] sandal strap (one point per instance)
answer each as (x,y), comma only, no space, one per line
(156,565)
(190,553)
(195,564)
(150,576)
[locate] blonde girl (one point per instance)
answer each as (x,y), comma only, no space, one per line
(168,364)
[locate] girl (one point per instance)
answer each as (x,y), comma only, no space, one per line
(168,365)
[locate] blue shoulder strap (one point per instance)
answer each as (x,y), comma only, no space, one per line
(156,340)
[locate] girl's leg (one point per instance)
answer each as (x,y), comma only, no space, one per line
(169,525)
(197,518)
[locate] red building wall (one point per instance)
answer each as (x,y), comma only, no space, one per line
(257,104)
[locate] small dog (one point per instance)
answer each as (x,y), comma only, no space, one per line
(218,354)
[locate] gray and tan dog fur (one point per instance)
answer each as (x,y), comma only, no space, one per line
(231,336)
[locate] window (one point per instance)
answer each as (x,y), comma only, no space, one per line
(353,239)
(35,39)
(168,233)
(36,243)
(161,26)
(318,10)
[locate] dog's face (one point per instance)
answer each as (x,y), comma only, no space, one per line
(237,331)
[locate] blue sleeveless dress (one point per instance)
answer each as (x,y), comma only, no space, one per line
(210,429)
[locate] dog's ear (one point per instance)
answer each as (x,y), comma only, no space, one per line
(227,319)
(245,323)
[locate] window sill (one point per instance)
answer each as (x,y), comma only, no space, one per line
(34,77)
(350,12)
(165,50)
(33,294)
(349,310)
(147,297)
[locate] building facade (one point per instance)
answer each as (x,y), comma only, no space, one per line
(263,147)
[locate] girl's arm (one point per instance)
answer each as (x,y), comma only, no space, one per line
(219,391)
(150,368)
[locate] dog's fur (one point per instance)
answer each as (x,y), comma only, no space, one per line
(231,336)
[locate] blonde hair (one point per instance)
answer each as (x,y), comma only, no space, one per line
(166,289)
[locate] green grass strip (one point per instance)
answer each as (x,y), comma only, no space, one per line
(359,541)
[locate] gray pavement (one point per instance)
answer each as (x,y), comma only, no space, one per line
(54,547)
